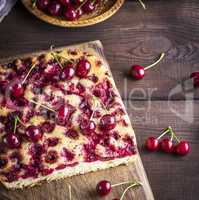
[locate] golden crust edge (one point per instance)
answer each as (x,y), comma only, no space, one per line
(80,169)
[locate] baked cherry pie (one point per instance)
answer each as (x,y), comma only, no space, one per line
(61,115)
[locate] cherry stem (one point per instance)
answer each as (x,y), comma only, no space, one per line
(84,2)
(32,67)
(118,184)
(142,4)
(173,135)
(101,102)
(133,184)
(55,56)
(34,3)
(15,123)
(164,133)
(155,63)
(70,192)
(42,105)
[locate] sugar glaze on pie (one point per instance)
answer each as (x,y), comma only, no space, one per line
(61,115)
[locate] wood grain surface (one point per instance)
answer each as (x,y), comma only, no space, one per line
(136,36)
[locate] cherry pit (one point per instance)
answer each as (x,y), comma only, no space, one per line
(169,144)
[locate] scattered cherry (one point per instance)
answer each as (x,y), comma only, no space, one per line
(182,148)
(195,76)
(107,122)
(83,68)
(138,71)
(152,144)
(103,188)
(167,145)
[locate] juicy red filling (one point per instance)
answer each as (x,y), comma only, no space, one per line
(64,114)
(47,127)
(104,91)
(51,142)
(68,155)
(51,157)
(71,133)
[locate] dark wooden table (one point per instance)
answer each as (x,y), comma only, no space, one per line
(137,36)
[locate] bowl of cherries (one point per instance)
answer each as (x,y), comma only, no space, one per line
(73,13)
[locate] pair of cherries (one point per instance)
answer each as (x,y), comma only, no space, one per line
(138,71)
(167,145)
(104,187)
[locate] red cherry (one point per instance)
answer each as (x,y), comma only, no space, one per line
(66,2)
(89,6)
(107,122)
(167,145)
(54,8)
(42,4)
(87,127)
(34,133)
(103,188)
(18,90)
(67,73)
(83,68)
(182,148)
(70,14)
(115,199)
(78,2)
(12,140)
(137,72)
(195,76)
(152,144)
(79,12)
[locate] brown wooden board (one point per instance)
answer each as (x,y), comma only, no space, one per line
(83,186)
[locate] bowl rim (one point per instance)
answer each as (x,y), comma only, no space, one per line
(79,23)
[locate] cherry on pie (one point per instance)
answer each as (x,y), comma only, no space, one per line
(61,115)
